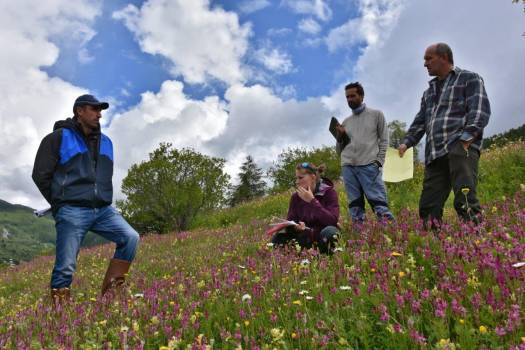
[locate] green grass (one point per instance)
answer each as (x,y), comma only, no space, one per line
(388,287)
(501,172)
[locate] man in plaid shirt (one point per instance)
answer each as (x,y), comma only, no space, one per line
(454,110)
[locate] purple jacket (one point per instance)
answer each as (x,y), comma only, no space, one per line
(321,212)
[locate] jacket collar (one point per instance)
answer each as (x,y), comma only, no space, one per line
(359,109)
(454,71)
(322,187)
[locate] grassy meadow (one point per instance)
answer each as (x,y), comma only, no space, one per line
(221,286)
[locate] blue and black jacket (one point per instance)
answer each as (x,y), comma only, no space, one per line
(72,169)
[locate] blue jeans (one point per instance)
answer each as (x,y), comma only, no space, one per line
(73,223)
(361,181)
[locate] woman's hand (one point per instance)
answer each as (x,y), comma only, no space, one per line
(305,194)
(301,226)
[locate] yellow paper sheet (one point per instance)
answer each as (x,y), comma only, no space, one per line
(397,169)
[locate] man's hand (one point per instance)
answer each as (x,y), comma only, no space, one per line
(340,130)
(305,194)
(402,149)
(466,144)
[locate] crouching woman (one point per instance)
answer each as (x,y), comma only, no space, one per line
(315,208)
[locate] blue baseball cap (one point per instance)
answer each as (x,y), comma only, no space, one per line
(89,100)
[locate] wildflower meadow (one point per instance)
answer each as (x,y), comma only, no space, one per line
(223,286)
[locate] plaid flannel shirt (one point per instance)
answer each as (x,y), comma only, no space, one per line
(461,112)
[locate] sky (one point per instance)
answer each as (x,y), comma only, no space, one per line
(235,78)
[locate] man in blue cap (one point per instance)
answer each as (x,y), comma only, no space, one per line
(73,170)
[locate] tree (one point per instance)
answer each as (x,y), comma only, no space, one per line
(397,132)
(499,140)
(167,191)
(250,184)
(282,172)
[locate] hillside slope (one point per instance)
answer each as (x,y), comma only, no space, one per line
(23,236)
(387,287)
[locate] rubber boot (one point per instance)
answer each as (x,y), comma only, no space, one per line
(115,275)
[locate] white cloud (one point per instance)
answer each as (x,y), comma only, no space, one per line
(252,120)
(200,42)
(394,77)
(84,56)
(309,25)
(279,32)
(318,8)
(263,124)
(250,6)
(31,100)
(375,21)
(166,116)
(274,60)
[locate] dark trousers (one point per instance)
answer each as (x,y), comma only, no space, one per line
(458,170)
(329,236)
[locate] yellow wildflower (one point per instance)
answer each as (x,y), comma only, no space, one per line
(277,334)
(297,302)
(473,281)
(396,254)
(411,261)
(483,329)
(461,321)
(445,344)
(402,274)
(246,323)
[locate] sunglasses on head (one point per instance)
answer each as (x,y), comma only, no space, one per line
(308,166)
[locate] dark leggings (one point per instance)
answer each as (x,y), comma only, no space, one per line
(326,244)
